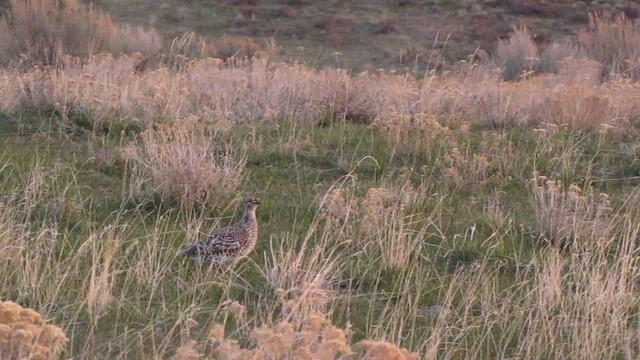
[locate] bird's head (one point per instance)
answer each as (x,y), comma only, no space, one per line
(252,204)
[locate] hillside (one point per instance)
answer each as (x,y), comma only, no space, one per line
(390,34)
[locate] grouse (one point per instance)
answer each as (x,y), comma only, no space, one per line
(230,244)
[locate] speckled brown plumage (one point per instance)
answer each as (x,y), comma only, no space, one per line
(229,244)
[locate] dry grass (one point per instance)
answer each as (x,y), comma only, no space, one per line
(108,90)
(103,247)
(42,31)
(231,50)
(387,230)
(184,163)
(614,43)
(310,284)
(568,213)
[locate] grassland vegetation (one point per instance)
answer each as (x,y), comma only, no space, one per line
(454,216)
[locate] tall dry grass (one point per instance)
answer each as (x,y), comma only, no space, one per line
(612,42)
(184,163)
(387,230)
(227,48)
(43,31)
(108,91)
(569,214)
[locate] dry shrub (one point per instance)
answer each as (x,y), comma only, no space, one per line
(188,351)
(517,55)
(186,164)
(520,56)
(24,334)
(382,350)
(551,57)
(571,215)
(41,31)
(317,338)
(614,43)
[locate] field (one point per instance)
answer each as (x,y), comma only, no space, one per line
(487,212)
(400,35)
(396,35)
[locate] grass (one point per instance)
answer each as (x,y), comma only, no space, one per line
(453,216)
(125,294)
(351,34)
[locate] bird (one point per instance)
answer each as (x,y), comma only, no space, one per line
(229,244)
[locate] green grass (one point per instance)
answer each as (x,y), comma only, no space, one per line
(289,167)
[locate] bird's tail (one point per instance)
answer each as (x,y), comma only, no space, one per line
(190,251)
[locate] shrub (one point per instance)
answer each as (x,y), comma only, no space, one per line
(552,56)
(520,55)
(24,334)
(317,338)
(517,55)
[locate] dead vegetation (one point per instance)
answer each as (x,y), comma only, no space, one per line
(184,163)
